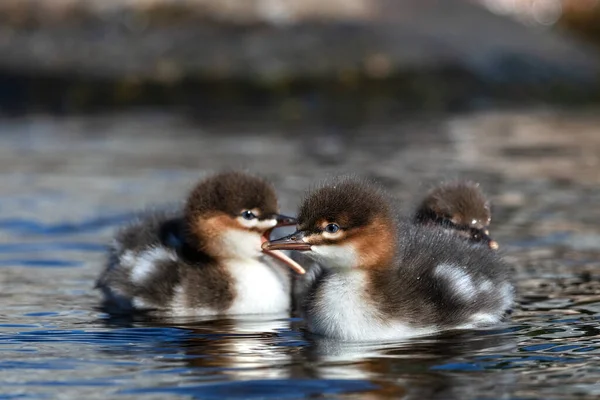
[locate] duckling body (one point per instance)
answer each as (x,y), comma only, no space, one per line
(438,282)
(145,273)
(139,251)
(386,279)
(202,260)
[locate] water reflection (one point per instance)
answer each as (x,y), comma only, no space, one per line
(260,358)
(395,367)
(242,348)
(264,355)
(59,208)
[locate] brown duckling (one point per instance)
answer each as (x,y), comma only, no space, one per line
(389,279)
(460,207)
(205,259)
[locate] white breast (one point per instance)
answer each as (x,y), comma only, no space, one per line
(343,313)
(262,286)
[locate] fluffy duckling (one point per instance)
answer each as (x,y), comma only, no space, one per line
(388,279)
(462,208)
(205,259)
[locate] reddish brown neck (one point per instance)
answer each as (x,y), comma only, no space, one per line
(376,246)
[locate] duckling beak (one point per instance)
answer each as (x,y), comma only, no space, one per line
(485,237)
(291,242)
(278,255)
(283,220)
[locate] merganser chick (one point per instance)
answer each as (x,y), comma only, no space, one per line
(462,208)
(205,259)
(389,279)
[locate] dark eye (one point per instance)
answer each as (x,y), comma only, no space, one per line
(248,215)
(332,228)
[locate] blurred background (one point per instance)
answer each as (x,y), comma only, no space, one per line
(111,106)
(292,59)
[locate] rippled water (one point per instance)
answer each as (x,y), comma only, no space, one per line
(68,183)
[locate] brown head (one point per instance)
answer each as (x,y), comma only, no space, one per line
(345,224)
(460,206)
(229,215)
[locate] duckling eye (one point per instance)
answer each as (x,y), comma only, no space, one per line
(248,215)
(332,228)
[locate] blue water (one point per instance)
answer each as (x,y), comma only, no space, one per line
(551,358)
(55,224)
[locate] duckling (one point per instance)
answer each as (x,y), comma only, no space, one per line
(386,278)
(205,259)
(462,208)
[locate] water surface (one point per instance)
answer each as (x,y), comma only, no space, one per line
(67,183)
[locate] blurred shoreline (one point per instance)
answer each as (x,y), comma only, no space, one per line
(288,57)
(412,92)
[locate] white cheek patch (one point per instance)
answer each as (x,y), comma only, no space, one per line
(256,223)
(266,224)
(335,256)
(247,223)
(328,235)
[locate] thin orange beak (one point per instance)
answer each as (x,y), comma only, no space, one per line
(278,255)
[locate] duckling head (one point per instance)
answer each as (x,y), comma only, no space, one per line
(345,224)
(229,215)
(461,206)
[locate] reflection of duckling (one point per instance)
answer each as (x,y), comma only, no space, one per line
(239,348)
(206,260)
(388,280)
(460,207)
(412,363)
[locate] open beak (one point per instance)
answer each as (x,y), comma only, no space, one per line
(282,220)
(291,242)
